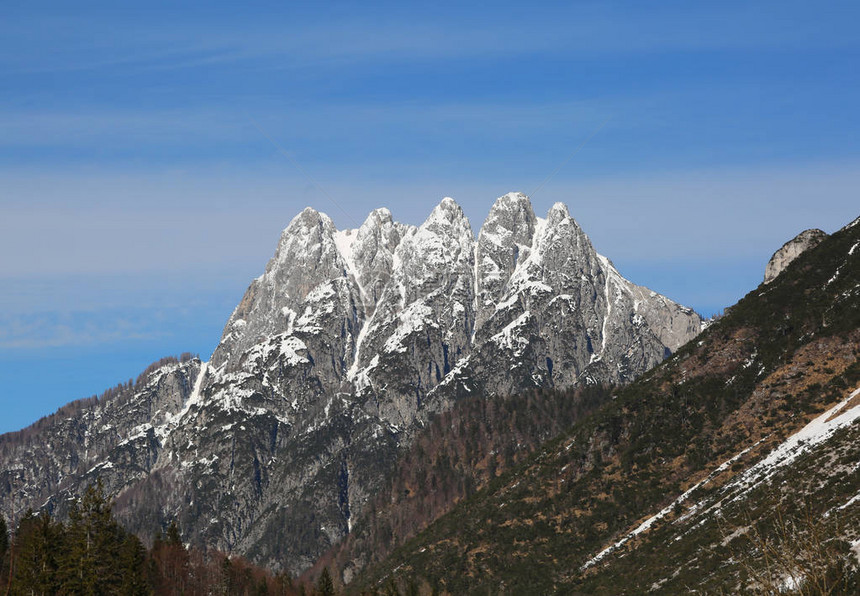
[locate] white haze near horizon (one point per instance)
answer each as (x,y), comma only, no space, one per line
(102,287)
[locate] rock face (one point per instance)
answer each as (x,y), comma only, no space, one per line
(335,355)
(790,251)
(121,434)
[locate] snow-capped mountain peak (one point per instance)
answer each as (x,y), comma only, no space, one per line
(351,339)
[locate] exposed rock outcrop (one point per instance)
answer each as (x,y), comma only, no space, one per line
(790,251)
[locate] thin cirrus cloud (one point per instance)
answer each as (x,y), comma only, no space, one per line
(224,124)
(184,221)
(83,128)
(195,39)
(104,276)
(82,329)
(122,308)
(138,198)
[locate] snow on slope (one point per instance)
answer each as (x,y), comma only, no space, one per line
(815,433)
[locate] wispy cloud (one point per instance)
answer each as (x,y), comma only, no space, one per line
(200,124)
(84,128)
(50,330)
(711,213)
(70,223)
(348,36)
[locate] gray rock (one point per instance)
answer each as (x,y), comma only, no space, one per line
(790,251)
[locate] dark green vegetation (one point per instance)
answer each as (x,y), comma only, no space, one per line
(92,554)
(782,354)
(460,451)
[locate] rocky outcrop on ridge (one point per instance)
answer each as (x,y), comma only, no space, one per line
(790,251)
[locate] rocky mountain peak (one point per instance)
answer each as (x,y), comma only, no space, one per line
(563,247)
(505,239)
(306,257)
(310,237)
(351,340)
(558,213)
(448,219)
(790,251)
(369,253)
(511,213)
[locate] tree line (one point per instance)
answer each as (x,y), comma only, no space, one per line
(92,554)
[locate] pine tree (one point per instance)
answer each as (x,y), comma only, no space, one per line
(391,588)
(173,537)
(4,538)
(325,585)
(37,543)
(133,562)
(227,581)
(284,582)
(262,588)
(4,550)
(89,562)
(412,588)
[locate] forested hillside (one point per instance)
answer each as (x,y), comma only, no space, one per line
(780,357)
(458,453)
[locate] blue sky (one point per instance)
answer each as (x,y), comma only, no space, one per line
(139,198)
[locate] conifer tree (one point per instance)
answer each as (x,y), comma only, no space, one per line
(4,551)
(412,588)
(227,582)
(172,537)
(262,588)
(4,538)
(284,581)
(325,585)
(37,542)
(89,561)
(133,564)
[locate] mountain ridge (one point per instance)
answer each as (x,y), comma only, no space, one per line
(338,353)
(618,504)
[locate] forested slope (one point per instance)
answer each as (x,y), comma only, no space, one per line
(781,356)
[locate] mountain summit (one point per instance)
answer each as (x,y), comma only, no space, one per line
(348,342)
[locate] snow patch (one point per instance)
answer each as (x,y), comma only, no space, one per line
(665,511)
(509,338)
(411,319)
(816,432)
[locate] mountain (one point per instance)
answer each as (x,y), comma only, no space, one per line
(731,467)
(347,345)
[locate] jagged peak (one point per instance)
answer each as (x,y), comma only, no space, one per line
(512,201)
(511,219)
(512,198)
(307,219)
(557,213)
(449,208)
(307,228)
(447,217)
(378,217)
